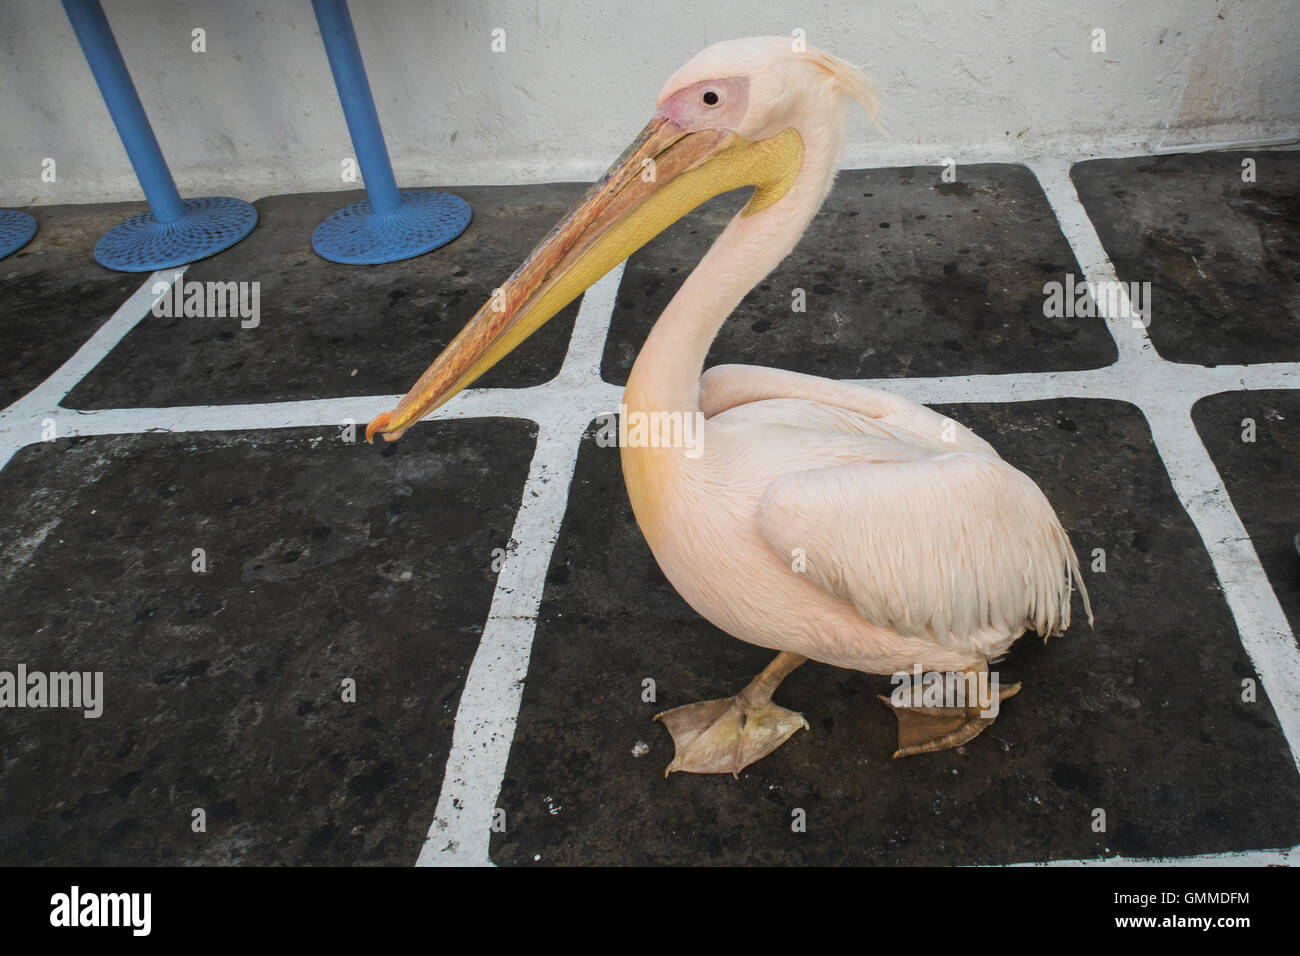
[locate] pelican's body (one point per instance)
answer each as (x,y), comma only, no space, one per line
(816,518)
(789,531)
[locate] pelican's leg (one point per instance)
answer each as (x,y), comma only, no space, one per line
(923,730)
(726,736)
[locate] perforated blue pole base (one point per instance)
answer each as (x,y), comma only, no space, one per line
(16,230)
(356,235)
(143,244)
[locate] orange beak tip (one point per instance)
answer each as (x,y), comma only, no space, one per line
(380,422)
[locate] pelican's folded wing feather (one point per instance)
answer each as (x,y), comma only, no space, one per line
(947,544)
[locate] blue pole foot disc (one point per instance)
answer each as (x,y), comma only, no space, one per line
(143,244)
(357,235)
(16,230)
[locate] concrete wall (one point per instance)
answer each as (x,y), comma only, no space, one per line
(257,113)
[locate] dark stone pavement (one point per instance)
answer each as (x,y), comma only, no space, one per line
(328,330)
(1222,255)
(903,275)
(223,688)
(54,296)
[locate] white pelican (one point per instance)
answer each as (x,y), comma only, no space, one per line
(819,519)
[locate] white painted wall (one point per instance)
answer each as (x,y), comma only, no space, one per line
(257,113)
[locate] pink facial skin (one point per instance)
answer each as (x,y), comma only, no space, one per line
(709,104)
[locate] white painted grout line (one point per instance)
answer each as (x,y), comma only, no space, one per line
(1279,857)
(1122,381)
(325,412)
(581,366)
(1094,263)
(489,705)
(22,422)
(1163,150)
(878,153)
(1263,627)
(566,390)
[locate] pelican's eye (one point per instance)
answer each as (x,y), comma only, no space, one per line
(711,98)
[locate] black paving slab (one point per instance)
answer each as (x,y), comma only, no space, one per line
(1222,255)
(329,330)
(1262,477)
(1141,718)
(54,295)
(904,275)
(223,690)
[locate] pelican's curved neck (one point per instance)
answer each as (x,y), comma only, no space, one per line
(666,375)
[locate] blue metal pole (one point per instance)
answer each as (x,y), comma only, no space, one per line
(97,42)
(388,225)
(358,105)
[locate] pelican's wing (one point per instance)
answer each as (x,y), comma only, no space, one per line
(951,544)
(727,386)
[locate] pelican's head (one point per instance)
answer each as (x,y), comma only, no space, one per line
(737,114)
(763,86)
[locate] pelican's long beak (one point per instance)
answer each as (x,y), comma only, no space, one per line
(663,175)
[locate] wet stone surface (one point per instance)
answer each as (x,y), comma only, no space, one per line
(223,690)
(54,295)
(1222,255)
(327,330)
(1141,717)
(903,275)
(1262,477)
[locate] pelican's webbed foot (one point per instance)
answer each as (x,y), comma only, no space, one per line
(726,736)
(924,728)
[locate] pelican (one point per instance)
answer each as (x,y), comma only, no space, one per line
(816,518)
